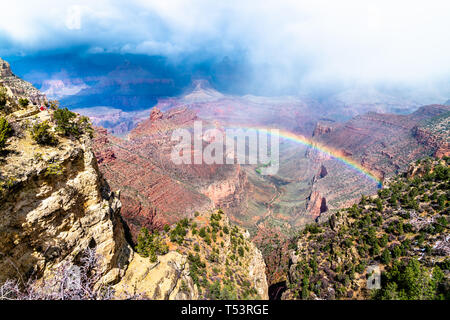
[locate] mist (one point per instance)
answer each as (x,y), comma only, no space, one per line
(261,47)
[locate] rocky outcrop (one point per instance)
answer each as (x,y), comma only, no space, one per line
(155,114)
(5,69)
(17,87)
(166,279)
(49,219)
(210,251)
(316,204)
(54,204)
(230,192)
(321,128)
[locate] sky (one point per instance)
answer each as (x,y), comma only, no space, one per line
(275,46)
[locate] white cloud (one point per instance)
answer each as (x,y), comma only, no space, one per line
(57,89)
(73,18)
(346,40)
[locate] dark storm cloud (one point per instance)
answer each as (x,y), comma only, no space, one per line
(275,46)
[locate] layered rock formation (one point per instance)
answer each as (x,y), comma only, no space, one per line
(435,132)
(53,202)
(141,166)
(386,143)
(309,185)
(17,87)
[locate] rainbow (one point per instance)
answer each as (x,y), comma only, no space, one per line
(335,154)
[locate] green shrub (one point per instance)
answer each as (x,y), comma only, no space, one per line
(196,268)
(202,232)
(179,232)
(54,169)
(3,97)
(5,131)
(68,124)
(413,281)
(41,134)
(149,245)
(386,256)
(23,102)
(64,122)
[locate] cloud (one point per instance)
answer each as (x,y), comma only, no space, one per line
(57,89)
(73,18)
(285,44)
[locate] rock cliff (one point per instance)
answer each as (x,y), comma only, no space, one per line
(17,87)
(54,203)
(207,258)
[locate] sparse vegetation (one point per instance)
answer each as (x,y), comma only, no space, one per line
(202,241)
(54,169)
(397,230)
(69,124)
(3,97)
(5,131)
(40,132)
(150,245)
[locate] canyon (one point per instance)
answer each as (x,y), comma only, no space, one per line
(309,186)
(58,200)
(56,208)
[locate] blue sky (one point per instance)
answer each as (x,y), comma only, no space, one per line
(274,46)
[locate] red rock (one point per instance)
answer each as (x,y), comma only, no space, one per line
(316,204)
(155,114)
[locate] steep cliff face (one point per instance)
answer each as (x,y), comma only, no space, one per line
(17,87)
(48,219)
(142,168)
(53,202)
(316,204)
(230,192)
(207,258)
